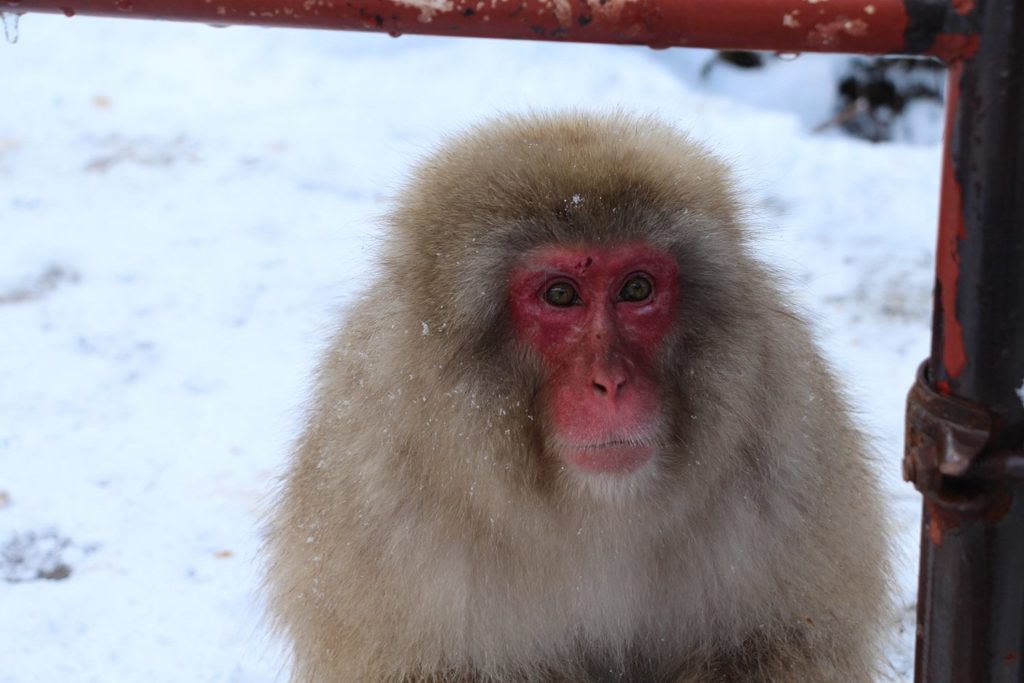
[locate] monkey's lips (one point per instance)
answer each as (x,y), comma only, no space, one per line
(609,457)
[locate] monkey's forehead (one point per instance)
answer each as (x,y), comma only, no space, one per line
(597,258)
(565,176)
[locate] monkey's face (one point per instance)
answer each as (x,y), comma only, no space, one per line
(596,316)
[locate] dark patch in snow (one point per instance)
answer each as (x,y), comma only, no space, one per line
(37,556)
(143,152)
(53,277)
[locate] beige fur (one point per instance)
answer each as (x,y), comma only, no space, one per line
(423,533)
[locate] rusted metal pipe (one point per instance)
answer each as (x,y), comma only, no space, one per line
(965,431)
(932,27)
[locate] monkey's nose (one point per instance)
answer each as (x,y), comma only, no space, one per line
(609,385)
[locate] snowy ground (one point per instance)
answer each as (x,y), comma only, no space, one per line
(183,209)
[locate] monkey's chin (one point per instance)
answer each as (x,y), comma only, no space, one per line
(616,457)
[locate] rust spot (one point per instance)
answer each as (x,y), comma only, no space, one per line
(954,47)
(855,27)
(830,33)
(999,508)
(940,521)
(963,6)
(1011,657)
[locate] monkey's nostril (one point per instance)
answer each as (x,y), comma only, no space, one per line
(604,388)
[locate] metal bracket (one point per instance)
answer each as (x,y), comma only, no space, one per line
(947,436)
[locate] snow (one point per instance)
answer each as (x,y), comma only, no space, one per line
(183,210)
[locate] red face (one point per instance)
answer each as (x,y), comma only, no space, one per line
(597,316)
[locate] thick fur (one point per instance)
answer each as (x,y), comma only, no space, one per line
(424,532)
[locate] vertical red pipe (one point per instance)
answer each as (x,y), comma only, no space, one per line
(971,589)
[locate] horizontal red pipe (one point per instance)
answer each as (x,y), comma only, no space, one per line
(856,26)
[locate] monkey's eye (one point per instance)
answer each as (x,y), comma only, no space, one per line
(637,288)
(561,294)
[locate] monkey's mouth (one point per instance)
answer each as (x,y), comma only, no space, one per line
(614,456)
(622,443)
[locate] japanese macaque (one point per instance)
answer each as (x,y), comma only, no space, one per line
(571,432)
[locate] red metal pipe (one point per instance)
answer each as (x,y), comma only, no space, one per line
(855,26)
(966,438)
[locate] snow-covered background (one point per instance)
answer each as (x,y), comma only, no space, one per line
(182,212)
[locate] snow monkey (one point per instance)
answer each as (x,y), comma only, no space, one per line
(571,432)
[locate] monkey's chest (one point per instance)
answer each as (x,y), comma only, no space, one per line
(607,612)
